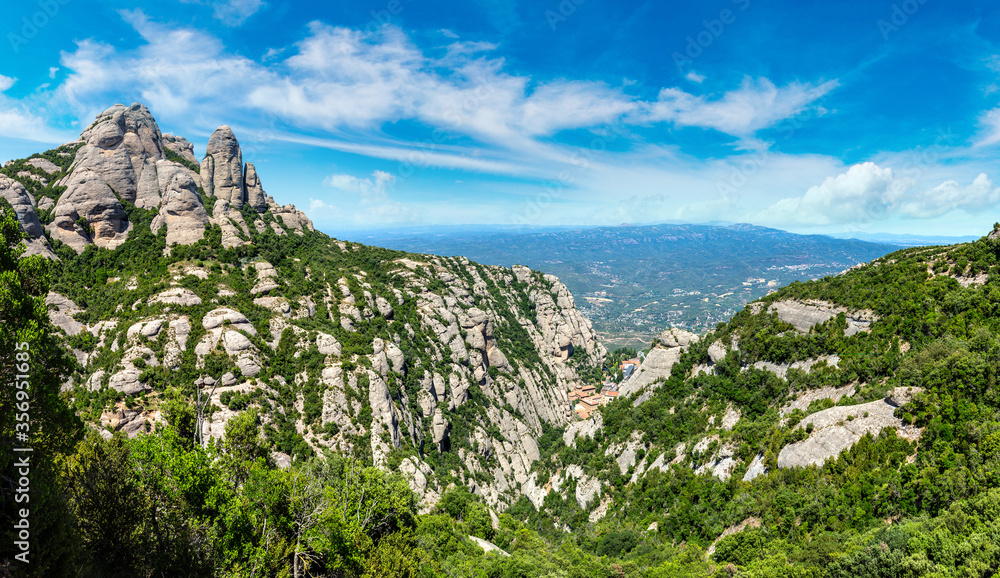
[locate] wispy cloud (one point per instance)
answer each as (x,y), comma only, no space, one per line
(989,128)
(464,108)
(338,78)
(757,104)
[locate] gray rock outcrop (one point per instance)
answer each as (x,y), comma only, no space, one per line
(222,168)
(23,204)
(255,196)
(181,146)
(803,315)
(61,312)
(837,429)
(44,165)
(89,212)
(116,160)
(656,367)
(181,212)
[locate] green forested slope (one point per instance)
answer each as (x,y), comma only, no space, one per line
(888,506)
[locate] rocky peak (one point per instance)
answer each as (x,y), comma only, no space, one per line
(24,208)
(255,196)
(131,128)
(123,159)
(222,167)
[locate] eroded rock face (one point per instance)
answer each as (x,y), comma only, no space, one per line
(181,212)
(290,217)
(117,146)
(657,365)
(803,315)
(838,428)
(109,169)
(234,228)
(45,165)
(222,169)
(181,146)
(61,312)
(89,212)
(255,196)
(459,327)
(564,330)
(15,194)
(178,296)
(674,337)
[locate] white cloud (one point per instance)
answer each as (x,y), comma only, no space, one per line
(272,53)
(18,119)
(867,193)
(321,210)
(339,88)
(695,77)
(372,205)
(52,71)
(373,190)
(755,105)
(977,196)
(176,72)
(349,83)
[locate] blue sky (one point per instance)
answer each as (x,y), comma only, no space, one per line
(811,117)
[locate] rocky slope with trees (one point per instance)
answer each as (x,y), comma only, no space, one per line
(175,278)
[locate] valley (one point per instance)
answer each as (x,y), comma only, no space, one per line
(218,389)
(632,281)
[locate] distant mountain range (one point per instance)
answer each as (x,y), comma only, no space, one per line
(632,281)
(907,240)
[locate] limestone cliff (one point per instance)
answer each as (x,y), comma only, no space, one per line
(440,368)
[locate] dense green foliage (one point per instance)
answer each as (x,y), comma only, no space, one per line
(887,506)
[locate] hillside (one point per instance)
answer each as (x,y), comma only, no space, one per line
(632,281)
(842,427)
(216,389)
(175,281)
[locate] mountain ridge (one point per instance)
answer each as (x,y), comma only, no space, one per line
(223,284)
